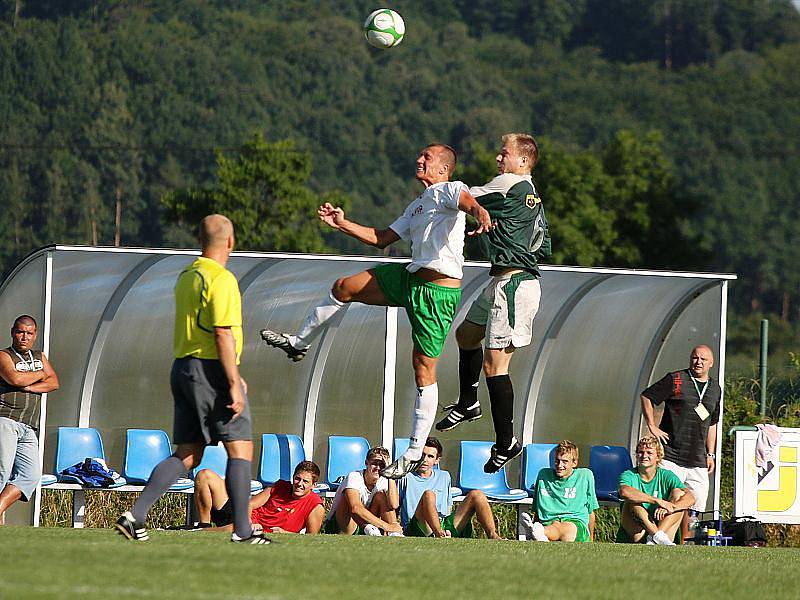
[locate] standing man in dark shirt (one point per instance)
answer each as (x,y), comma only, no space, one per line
(688,428)
(503,312)
(25,374)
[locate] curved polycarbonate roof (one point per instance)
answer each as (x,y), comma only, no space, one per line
(600,337)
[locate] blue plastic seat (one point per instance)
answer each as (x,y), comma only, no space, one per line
(471,476)
(607,463)
(536,457)
(345,454)
(74,445)
(215,458)
(280,454)
(144,449)
(401,445)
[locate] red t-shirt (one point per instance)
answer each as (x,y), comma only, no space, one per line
(284,510)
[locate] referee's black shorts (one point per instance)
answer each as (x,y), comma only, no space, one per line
(201,393)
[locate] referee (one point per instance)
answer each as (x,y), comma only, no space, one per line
(209,394)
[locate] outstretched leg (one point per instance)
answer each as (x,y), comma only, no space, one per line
(362,287)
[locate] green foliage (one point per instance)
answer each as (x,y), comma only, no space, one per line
(263,191)
(108,101)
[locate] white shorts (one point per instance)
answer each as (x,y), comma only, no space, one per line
(695,478)
(506,307)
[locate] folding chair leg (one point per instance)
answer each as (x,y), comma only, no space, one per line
(78,508)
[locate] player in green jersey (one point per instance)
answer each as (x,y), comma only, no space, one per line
(565,501)
(503,312)
(654,499)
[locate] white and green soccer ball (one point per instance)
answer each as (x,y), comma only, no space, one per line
(384,28)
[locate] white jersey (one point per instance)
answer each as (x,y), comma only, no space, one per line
(435,227)
(355,481)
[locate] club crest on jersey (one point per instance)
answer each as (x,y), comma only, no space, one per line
(531,200)
(417,211)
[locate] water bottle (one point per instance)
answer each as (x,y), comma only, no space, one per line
(694,525)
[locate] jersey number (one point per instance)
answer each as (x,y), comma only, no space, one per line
(570,492)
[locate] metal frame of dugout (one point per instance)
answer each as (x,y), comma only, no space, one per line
(600,337)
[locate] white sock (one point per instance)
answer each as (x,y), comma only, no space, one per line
(317,318)
(424,416)
(538,532)
(662,539)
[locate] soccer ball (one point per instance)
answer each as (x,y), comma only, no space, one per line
(384,28)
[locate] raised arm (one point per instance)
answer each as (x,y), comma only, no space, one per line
(333,216)
(468,204)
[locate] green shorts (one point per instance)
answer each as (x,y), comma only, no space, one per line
(583,530)
(416,529)
(430,307)
(332,526)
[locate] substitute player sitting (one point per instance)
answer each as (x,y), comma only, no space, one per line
(282,508)
(365,501)
(426,502)
(429,287)
(565,501)
(654,499)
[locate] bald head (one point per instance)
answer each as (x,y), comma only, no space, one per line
(700,361)
(24,320)
(215,231)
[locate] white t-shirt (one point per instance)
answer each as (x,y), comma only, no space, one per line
(435,227)
(355,481)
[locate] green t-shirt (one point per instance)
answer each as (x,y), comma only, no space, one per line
(660,486)
(570,498)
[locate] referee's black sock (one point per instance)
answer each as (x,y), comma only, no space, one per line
(164,475)
(501,396)
(237,483)
(470,363)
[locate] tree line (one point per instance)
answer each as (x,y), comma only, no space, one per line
(668,128)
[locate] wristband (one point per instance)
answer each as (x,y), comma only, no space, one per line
(711,455)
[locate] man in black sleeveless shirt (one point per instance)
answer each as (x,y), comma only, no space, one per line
(25,374)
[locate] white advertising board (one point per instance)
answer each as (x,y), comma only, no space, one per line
(769,494)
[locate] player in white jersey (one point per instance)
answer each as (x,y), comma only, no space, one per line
(503,312)
(429,287)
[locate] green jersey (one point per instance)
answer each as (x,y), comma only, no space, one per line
(570,498)
(660,486)
(521,236)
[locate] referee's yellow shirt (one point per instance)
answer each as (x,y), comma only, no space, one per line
(206,296)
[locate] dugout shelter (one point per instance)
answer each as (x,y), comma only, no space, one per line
(106,320)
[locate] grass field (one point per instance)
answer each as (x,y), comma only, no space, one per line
(97,563)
